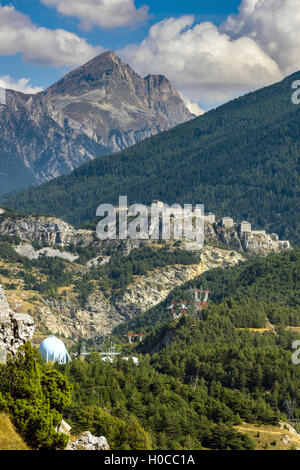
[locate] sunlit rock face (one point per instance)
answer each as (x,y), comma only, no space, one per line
(99,108)
(53,349)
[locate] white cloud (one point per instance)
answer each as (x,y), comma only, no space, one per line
(104,13)
(21,84)
(204,63)
(41,45)
(274,25)
(208,64)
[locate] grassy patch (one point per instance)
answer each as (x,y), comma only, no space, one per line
(9,439)
(269,437)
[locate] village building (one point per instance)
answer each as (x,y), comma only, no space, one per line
(227,222)
(210,217)
(245,227)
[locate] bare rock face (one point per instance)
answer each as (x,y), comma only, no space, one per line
(99,108)
(113,105)
(254,243)
(15,329)
(47,231)
(29,252)
(87,441)
(52,231)
(67,317)
(153,288)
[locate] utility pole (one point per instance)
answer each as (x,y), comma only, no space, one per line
(290,408)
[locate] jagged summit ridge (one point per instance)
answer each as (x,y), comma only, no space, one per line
(116,103)
(96,71)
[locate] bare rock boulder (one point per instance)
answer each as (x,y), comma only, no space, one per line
(286,439)
(86,441)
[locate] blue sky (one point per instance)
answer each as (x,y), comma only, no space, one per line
(208,54)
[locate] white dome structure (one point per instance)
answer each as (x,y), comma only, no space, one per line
(53,349)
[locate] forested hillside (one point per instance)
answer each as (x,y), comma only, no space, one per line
(247,294)
(198,379)
(241,159)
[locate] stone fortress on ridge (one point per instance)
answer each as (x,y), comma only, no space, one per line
(34,237)
(238,235)
(51,232)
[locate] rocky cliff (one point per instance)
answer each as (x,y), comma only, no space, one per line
(15,328)
(52,231)
(254,242)
(99,108)
(47,231)
(100,315)
(101,311)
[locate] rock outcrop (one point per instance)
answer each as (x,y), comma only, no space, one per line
(51,231)
(29,252)
(254,243)
(66,317)
(63,428)
(151,289)
(15,329)
(47,231)
(86,441)
(288,427)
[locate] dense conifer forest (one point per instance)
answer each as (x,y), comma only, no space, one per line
(248,293)
(197,378)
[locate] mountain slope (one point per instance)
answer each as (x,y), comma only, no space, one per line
(73,285)
(101,107)
(246,293)
(241,159)
(35,143)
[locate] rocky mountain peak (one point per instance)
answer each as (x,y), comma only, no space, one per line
(101,107)
(158,81)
